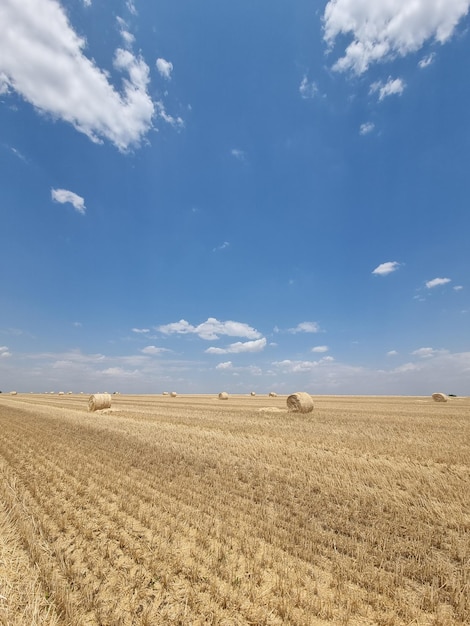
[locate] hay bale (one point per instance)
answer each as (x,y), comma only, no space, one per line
(253,393)
(99,401)
(272,394)
(300,402)
(165,393)
(13,393)
(439,397)
(223,395)
(173,394)
(61,393)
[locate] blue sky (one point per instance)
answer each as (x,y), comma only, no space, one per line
(240,196)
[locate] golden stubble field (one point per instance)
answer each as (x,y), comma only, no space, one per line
(192,510)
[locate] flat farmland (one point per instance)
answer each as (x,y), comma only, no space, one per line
(192,511)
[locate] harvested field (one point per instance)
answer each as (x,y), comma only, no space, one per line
(192,511)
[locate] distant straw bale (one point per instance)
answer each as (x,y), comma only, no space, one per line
(13,393)
(272,394)
(173,394)
(99,401)
(165,393)
(223,395)
(253,393)
(61,393)
(300,402)
(439,397)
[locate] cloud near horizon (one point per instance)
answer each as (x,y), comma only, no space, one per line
(240,346)
(382,31)
(42,58)
(210,329)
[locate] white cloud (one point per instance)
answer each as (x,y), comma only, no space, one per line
(127,36)
(240,346)
(381,30)
(392,353)
(366,128)
(4,352)
(165,68)
(308,89)
(43,60)
(211,329)
(176,122)
(140,331)
(63,195)
(458,287)
(320,349)
(238,154)
(87,3)
(153,350)
(227,365)
(426,353)
(222,246)
(426,61)
(305,327)
(436,282)
(393,86)
(131,7)
(386,268)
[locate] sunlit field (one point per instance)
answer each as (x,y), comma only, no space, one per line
(192,511)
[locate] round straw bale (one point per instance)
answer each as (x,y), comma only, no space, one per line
(223,395)
(439,397)
(300,402)
(166,393)
(13,393)
(99,401)
(61,393)
(272,394)
(253,393)
(173,394)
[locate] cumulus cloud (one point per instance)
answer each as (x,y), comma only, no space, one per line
(43,60)
(227,365)
(393,86)
(366,128)
(165,68)
(386,268)
(308,89)
(305,327)
(211,329)
(381,31)
(63,196)
(240,346)
(437,282)
(392,353)
(320,349)
(4,352)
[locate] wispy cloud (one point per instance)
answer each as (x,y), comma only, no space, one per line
(240,155)
(154,350)
(223,246)
(308,89)
(4,352)
(141,331)
(437,282)
(426,61)
(63,196)
(386,268)
(384,30)
(164,68)
(210,329)
(392,353)
(305,327)
(42,58)
(426,353)
(393,86)
(366,128)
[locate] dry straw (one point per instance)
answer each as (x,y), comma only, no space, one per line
(165,393)
(300,402)
(223,395)
(173,394)
(439,397)
(272,394)
(252,393)
(13,393)
(99,401)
